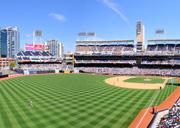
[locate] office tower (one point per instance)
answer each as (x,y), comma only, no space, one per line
(55,48)
(9,42)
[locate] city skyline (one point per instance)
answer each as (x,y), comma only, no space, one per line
(110,19)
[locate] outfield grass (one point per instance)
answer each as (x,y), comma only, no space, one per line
(146,80)
(71,101)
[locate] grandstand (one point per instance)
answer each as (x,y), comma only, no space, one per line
(168,117)
(115,47)
(34,56)
(163,46)
(161,57)
(33,62)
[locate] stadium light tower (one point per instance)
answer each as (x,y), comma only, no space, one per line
(85,36)
(37,37)
(159,32)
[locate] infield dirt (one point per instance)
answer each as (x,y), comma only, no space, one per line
(119,82)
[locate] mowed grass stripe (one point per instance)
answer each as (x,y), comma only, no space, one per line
(17,115)
(24,107)
(94,107)
(72,101)
(135,107)
(28,108)
(45,113)
(127,108)
(109,111)
(5,122)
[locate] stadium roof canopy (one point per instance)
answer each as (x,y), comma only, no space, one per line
(105,42)
(164,41)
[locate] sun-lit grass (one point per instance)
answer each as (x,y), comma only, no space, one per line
(144,79)
(71,101)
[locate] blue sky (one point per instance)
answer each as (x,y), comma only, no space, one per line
(110,19)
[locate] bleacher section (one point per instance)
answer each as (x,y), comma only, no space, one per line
(34,56)
(170,119)
(163,47)
(36,62)
(117,47)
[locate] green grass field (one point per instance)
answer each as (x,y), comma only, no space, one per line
(71,101)
(147,80)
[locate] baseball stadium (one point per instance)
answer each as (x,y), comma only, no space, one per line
(103,84)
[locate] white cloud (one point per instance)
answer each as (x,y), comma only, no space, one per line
(58,16)
(115,7)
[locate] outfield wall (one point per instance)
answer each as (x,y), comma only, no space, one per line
(145,116)
(4,76)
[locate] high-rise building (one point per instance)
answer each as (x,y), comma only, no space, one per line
(9,42)
(140,36)
(56,48)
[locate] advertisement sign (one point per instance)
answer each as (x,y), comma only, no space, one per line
(36,47)
(29,47)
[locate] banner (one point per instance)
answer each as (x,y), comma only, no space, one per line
(29,47)
(36,47)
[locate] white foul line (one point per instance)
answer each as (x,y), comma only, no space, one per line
(146,111)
